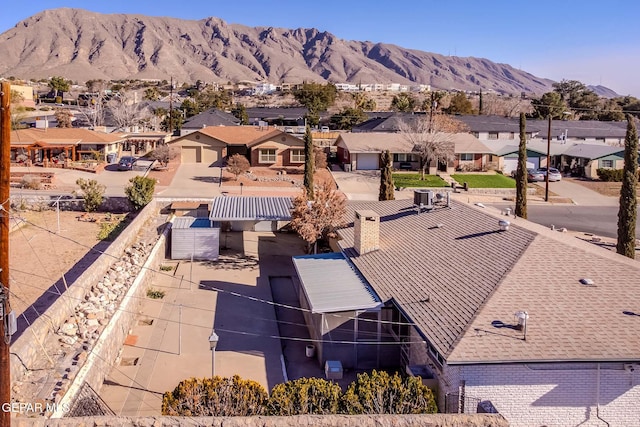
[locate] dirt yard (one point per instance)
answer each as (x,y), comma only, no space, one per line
(611,189)
(267,177)
(38,256)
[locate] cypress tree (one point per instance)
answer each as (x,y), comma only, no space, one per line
(308,162)
(627,212)
(521,172)
(386,179)
(480,106)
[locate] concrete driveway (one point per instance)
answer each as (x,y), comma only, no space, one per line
(580,194)
(194,180)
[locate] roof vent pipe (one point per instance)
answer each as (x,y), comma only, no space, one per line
(504,225)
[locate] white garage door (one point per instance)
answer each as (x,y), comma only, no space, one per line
(368,161)
(511,164)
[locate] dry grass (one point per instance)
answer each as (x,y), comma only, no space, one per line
(611,189)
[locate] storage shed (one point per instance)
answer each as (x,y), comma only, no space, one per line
(252,213)
(195,237)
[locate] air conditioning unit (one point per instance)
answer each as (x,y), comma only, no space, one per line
(423,198)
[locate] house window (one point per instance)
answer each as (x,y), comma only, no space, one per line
(466,157)
(267,155)
(606,164)
(404,157)
(493,135)
(297,156)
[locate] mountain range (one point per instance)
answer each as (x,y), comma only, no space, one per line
(82,45)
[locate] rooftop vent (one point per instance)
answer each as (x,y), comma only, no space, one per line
(504,225)
(587,281)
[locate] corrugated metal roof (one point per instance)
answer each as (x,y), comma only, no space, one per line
(182,222)
(251,208)
(332,284)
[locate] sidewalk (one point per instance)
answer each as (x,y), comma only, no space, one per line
(211,296)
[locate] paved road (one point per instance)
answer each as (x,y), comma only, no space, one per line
(599,220)
(580,194)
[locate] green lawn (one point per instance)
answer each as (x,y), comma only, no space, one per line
(485,181)
(413,180)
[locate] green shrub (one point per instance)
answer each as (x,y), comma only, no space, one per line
(155,294)
(381,393)
(304,396)
(112,228)
(166,268)
(217,396)
(140,192)
(91,192)
(610,175)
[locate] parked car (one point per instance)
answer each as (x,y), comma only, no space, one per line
(126,163)
(288,129)
(554,174)
(534,175)
(324,129)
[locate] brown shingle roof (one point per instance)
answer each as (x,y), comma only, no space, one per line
(462,283)
(439,276)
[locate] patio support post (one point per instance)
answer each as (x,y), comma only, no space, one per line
(546,179)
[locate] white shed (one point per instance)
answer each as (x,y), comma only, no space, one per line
(195,237)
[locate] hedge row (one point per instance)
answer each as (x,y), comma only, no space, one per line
(375,393)
(612,175)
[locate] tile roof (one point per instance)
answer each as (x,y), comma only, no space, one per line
(440,276)
(228,208)
(333,285)
(50,135)
(377,142)
(461,284)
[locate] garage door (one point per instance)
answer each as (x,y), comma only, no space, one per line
(191,154)
(511,164)
(367,161)
(211,155)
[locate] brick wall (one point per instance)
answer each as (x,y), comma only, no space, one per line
(554,394)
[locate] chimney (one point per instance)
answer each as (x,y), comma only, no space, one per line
(366,231)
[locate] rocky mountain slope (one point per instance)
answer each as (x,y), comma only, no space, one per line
(82,45)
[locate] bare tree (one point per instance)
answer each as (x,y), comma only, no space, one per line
(164,154)
(126,112)
(431,137)
(94,112)
(238,164)
(63,117)
(320,217)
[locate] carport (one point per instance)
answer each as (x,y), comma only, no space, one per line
(251,213)
(341,310)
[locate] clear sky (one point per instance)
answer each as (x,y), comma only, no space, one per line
(593,41)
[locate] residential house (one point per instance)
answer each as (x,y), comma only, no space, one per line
(53,145)
(263,146)
(517,318)
(140,143)
(361,151)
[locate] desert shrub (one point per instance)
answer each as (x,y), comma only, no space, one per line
(111,229)
(304,396)
(217,396)
(381,393)
(140,192)
(91,192)
(238,164)
(610,175)
(155,293)
(31,182)
(319,158)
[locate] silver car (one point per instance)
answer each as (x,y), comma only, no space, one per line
(554,174)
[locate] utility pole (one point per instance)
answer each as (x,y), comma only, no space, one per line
(546,178)
(5,179)
(171,107)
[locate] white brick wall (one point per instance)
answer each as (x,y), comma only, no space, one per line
(553,394)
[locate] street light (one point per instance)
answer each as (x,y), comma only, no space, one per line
(546,179)
(213,342)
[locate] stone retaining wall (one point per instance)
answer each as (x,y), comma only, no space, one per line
(437,420)
(24,351)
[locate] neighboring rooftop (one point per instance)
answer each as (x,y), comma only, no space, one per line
(211,117)
(227,208)
(240,134)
